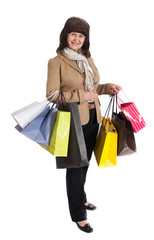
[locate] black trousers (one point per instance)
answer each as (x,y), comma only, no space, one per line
(76,177)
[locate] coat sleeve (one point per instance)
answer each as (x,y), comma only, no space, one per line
(54,84)
(104,89)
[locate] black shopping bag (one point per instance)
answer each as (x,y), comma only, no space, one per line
(77,152)
(126,139)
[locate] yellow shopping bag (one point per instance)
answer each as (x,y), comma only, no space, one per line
(60,135)
(106,145)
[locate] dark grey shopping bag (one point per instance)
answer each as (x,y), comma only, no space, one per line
(77,152)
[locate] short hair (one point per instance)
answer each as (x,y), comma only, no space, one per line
(75,24)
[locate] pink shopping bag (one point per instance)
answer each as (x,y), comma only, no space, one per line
(131,112)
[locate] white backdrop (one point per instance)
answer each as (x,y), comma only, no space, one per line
(33,202)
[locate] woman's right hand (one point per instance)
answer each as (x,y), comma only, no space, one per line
(90,96)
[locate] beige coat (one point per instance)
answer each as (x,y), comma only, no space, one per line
(65,75)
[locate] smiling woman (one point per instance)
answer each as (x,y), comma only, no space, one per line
(74,73)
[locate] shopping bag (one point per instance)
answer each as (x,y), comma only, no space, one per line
(40,129)
(58,145)
(77,152)
(131,112)
(25,115)
(126,138)
(106,145)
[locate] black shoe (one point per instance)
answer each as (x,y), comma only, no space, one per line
(90,206)
(87,228)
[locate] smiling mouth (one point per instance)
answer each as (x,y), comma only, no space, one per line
(75,43)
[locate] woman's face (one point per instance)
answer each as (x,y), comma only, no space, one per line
(75,40)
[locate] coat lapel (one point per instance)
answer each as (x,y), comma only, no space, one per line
(91,64)
(70,62)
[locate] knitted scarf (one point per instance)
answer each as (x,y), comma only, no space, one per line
(83,66)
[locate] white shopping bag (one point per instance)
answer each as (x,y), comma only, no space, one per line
(25,115)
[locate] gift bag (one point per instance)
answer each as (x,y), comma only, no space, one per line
(25,115)
(40,129)
(77,152)
(131,112)
(106,145)
(58,145)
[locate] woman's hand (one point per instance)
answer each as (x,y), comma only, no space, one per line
(115,88)
(90,96)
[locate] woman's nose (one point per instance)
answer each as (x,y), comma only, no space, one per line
(76,38)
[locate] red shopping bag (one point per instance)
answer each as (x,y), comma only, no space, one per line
(131,112)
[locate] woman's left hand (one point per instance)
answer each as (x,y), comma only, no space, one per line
(115,88)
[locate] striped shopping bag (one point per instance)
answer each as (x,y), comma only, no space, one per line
(131,112)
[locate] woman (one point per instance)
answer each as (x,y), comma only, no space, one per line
(74,73)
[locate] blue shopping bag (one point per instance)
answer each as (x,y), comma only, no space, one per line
(40,129)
